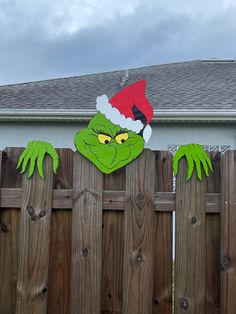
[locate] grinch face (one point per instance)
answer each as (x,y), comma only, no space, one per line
(107,145)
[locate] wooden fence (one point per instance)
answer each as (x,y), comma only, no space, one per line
(85,243)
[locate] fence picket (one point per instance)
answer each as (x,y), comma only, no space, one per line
(228,233)
(162,296)
(139,235)
(34,240)
(190,243)
(213,243)
(60,246)
(113,248)
(86,238)
(9,221)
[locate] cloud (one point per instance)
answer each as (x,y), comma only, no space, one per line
(64,38)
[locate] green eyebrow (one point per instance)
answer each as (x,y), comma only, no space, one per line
(98,131)
(121,132)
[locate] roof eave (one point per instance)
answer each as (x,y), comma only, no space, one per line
(160,116)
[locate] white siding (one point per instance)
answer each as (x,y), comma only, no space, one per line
(62,134)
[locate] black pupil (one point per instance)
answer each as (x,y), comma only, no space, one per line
(106,141)
(122,141)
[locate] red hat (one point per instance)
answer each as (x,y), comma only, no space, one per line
(119,108)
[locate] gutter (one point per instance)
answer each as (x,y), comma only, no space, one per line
(160,116)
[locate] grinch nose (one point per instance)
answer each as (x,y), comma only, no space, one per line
(112,144)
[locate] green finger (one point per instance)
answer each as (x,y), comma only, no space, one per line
(33,159)
(22,156)
(26,159)
(40,161)
(179,154)
(53,153)
(206,157)
(202,159)
(190,163)
(197,162)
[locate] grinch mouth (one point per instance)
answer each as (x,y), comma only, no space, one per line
(107,167)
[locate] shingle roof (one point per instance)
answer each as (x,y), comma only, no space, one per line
(186,85)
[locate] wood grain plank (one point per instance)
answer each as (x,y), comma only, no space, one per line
(60,246)
(139,235)
(190,243)
(9,233)
(228,234)
(34,240)
(86,237)
(162,297)
(213,242)
(113,247)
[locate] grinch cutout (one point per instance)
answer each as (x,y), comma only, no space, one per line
(115,136)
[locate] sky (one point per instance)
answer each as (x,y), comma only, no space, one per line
(43,39)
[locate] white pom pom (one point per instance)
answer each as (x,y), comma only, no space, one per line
(147,132)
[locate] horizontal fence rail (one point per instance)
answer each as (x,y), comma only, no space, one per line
(111,200)
(84,242)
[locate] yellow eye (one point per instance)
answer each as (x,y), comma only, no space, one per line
(104,139)
(121,138)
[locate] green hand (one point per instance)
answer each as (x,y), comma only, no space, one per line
(35,153)
(195,155)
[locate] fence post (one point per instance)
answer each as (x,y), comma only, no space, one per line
(86,237)
(139,235)
(228,232)
(32,277)
(190,271)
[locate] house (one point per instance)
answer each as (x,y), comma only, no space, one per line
(194,102)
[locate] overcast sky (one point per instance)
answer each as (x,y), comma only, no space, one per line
(42,39)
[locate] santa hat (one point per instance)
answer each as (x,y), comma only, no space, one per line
(120,109)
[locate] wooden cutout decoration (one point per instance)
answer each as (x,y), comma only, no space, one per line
(195,155)
(35,153)
(115,135)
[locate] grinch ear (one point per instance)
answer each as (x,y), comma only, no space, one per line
(147,132)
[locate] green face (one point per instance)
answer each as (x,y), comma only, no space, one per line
(107,145)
